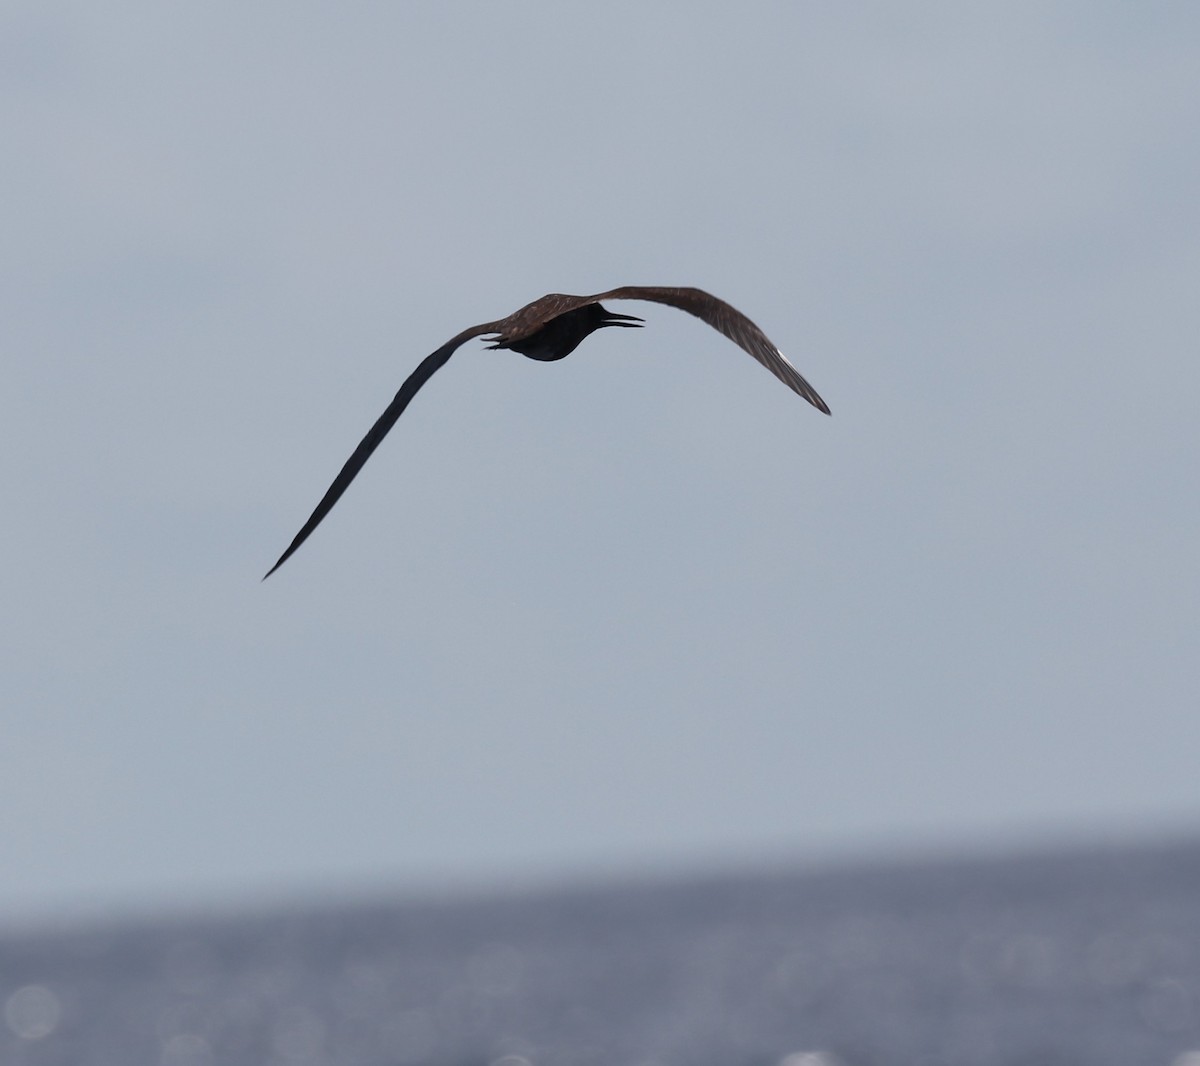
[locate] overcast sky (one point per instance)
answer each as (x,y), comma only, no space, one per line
(642,609)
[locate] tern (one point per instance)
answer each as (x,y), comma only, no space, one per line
(552,328)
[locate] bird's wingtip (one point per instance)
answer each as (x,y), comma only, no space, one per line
(816,401)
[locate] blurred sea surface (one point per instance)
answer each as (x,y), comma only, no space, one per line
(1085,957)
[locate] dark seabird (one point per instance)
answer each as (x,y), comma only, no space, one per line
(549,329)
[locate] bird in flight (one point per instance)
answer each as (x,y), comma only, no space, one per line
(552,328)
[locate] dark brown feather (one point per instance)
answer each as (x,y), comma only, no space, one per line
(551,328)
(425,370)
(706,307)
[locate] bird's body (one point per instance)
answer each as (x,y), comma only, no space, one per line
(548,339)
(549,329)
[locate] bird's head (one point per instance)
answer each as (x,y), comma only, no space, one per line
(603,317)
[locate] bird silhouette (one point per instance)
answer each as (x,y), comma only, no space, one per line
(549,329)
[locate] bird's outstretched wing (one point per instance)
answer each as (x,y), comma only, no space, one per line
(730,321)
(428,366)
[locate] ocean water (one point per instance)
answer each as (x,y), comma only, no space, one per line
(1088,958)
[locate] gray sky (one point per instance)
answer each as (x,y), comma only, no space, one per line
(643,608)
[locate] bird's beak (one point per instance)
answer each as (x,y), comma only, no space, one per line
(611,318)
